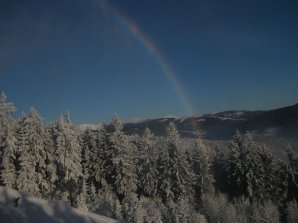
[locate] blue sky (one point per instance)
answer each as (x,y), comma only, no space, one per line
(75,55)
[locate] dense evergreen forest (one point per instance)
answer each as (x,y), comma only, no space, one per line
(144,178)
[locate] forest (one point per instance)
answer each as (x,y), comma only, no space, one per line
(145,178)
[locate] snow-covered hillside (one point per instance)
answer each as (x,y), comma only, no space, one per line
(35,210)
(281,122)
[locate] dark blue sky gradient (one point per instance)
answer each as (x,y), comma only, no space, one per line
(59,55)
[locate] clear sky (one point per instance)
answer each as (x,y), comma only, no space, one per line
(149,58)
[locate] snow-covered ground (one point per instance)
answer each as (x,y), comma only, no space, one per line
(35,210)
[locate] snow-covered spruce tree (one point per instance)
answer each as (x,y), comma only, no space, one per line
(93,149)
(267,171)
(118,167)
(92,198)
(7,143)
(176,176)
(182,211)
(99,155)
(68,155)
(219,167)
(292,176)
(148,210)
(250,169)
(48,186)
(88,145)
(21,142)
(94,154)
(108,203)
(147,166)
(239,168)
(32,156)
(130,206)
(81,199)
(287,183)
(200,164)
(27,179)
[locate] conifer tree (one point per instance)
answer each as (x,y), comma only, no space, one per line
(201,167)
(7,143)
(48,185)
(36,152)
(91,156)
(119,167)
(109,204)
(238,169)
(251,170)
(68,154)
(147,167)
(266,174)
(92,198)
(81,199)
(28,178)
(176,173)
(292,176)
(100,155)
(88,144)
(36,135)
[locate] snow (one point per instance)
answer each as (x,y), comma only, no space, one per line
(170,116)
(35,210)
(162,120)
(135,120)
(270,131)
(85,126)
(225,118)
(239,113)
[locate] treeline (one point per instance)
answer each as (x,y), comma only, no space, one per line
(145,178)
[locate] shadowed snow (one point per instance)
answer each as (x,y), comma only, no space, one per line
(35,210)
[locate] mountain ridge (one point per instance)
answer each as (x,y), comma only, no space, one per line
(282,122)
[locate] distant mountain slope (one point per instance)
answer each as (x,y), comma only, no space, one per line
(282,122)
(35,210)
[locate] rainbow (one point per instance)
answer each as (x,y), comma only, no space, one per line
(151,48)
